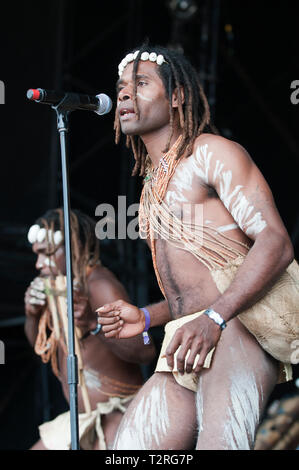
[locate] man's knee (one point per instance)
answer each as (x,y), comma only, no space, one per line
(231,421)
(151,420)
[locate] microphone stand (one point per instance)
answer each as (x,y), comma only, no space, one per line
(62,112)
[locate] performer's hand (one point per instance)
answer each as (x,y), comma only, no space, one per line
(84,317)
(120,319)
(199,336)
(35,298)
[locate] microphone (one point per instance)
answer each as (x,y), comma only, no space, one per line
(100,104)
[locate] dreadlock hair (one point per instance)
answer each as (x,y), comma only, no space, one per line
(194,113)
(85,245)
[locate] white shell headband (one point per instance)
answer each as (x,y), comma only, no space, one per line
(152,56)
(38,234)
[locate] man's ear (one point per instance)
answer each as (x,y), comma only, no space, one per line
(175,99)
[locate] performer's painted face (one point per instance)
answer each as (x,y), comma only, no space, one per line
(49,265)
(152,101)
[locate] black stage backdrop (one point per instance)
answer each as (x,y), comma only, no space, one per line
(247,56)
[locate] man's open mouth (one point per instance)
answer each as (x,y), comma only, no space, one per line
(126,111)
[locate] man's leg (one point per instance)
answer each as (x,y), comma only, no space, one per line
(110,423)
(161,416)
(233,393)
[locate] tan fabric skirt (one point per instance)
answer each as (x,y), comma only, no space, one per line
(190,381)
(186,380)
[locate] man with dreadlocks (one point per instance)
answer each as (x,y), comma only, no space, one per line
(109,375)
(223,260)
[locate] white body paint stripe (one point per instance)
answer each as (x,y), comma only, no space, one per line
(145,98)
(225,228)
(91,379)
(233,198)
(240,428)
(148,423)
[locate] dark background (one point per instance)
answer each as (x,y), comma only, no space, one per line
(247,56)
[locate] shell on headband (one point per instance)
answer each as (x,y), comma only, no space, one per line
(151,56)
(39,234)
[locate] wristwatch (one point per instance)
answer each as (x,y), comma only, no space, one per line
(96,330)
(92,332)
(215,317)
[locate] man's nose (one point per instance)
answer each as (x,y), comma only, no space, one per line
(125,97)
(126,93)
(39,262)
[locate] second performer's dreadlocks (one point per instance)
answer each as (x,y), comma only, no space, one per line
(85,246)
(194,113)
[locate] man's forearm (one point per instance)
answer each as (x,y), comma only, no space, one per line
(267,259)
(31,329)
(130,350)
(159,313)
(133,350)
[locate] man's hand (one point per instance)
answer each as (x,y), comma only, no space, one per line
(199,336)
(35,298)
(121,320)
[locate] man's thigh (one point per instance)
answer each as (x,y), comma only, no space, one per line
(161,416)
(233,393)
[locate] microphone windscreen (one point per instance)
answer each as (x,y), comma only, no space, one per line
(105,104)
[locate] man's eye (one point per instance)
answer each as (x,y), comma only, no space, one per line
(141,83)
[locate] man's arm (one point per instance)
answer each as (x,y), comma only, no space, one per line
(228,168)
(247,196)
(122,320)
(106,291)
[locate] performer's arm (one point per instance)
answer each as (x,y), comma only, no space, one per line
(246,195)
(104,292)
(249,199)
(122,320)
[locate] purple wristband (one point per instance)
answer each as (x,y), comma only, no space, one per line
(147,318)
(145,335)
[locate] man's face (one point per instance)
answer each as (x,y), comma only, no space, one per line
(152,102)
(49,265)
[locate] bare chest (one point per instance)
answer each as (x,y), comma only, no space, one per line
(186,280)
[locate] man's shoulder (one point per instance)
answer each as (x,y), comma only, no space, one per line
(101,274)
(221,148)
(217,142)
(104,282)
